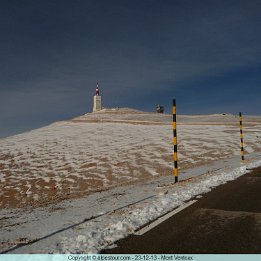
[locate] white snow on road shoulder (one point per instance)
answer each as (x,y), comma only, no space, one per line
(102,232)
(122,225)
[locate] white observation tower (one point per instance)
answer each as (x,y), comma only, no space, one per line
(97,104)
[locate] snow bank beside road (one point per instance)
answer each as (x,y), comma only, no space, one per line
(102,232)
(123,224)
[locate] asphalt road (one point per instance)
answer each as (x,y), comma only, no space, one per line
(225,220)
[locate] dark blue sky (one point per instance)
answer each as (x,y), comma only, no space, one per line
(206,54)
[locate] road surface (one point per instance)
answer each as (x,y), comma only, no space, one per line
(225,220)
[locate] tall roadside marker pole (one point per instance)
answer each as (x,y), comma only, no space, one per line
(241,137)
(175,155)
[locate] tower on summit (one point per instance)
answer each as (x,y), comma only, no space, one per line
(97,104)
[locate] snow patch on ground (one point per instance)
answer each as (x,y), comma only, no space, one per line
(123,225)
(116,213)
(68,158)
(81,157)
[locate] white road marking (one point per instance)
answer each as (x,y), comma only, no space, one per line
(163,218)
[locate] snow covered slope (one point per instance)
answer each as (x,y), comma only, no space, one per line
(124,154)
(92,223)
(93,153)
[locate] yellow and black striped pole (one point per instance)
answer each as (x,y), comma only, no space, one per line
(175,155)
(241,137)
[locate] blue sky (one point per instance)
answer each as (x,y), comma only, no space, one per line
(206,54)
